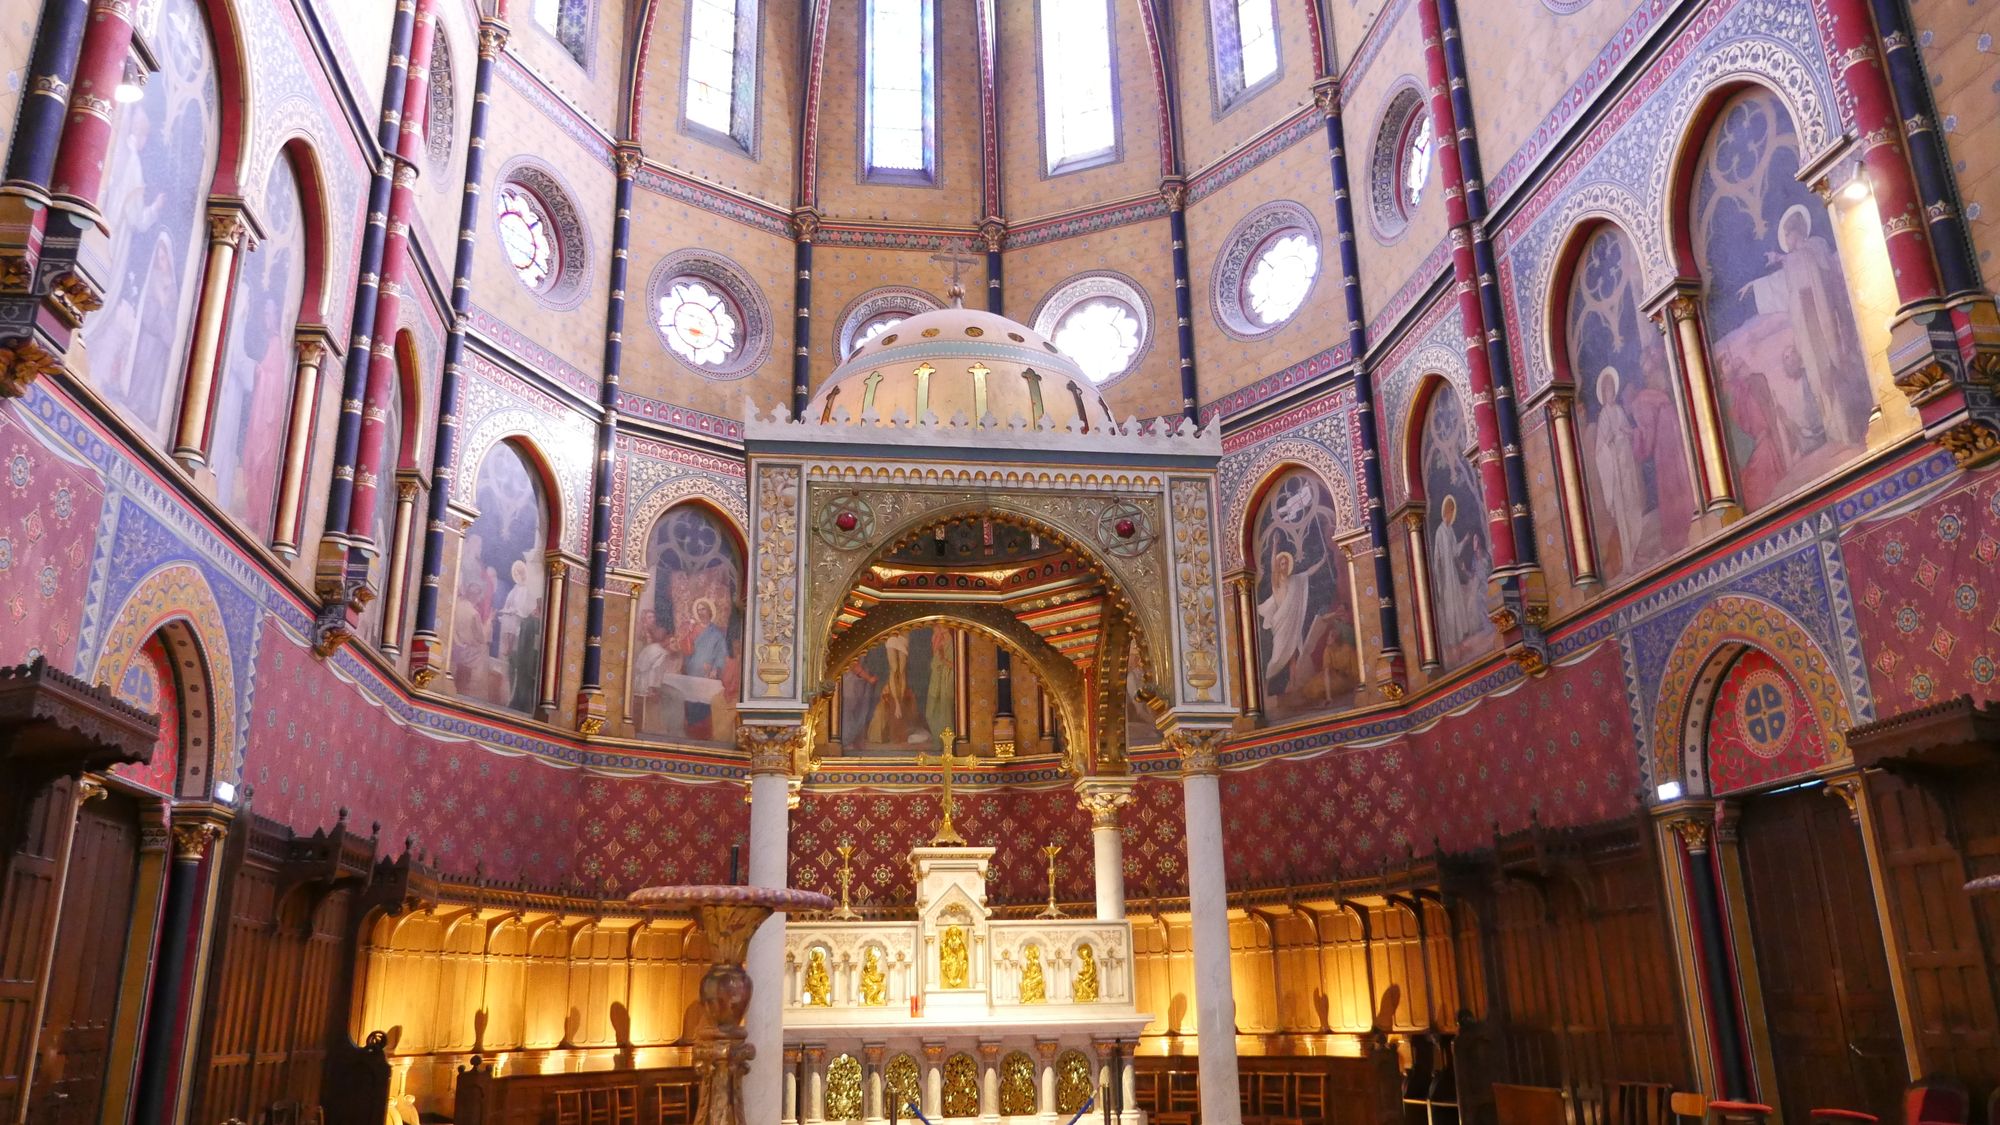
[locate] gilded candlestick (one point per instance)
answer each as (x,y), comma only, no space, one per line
(1051,910)
(846,913)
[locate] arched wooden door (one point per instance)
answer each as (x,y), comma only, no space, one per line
(1827,994)
(88,967)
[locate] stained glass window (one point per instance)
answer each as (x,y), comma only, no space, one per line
(700,324)
(1080,116)
(1256,40)
(901,84)
(526,237)
(568,21)
(1281,276)
(1101,335)
(1415,170)
(714,35)
(875,327)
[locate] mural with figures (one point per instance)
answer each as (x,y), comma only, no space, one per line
(1628,425)
(496,627)
(255,397)
(899,697)
(1454,533)
(1788,360)
(148,683)
(157,172)
(384,529)
(688,670)
(1305,621)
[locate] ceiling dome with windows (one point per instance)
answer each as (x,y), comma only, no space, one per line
(958,362)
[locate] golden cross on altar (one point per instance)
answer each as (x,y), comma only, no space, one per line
(947,804)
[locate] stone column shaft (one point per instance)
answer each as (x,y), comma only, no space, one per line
(297,462)
(1208,904)
(770,835)
(227,231)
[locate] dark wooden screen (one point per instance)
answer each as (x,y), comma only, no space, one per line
(1825,976)
(280,963)
(26,902)
(88,966)
(1932,839)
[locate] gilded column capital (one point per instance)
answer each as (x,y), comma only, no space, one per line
(990,1052)
(994,232)
(1694,831)
(1326,96)
(492,38)
(775,748)
(1104,798)
(873,1052)
(1200,749)
(227,226)
(1048,1049)
(1173,192)
(933,1053)
(191,841)
(629,160)
(805,224)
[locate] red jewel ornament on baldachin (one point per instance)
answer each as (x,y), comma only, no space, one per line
(1125,528)
(845,521)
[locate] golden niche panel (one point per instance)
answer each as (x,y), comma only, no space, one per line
(1017,1086)
(1072,1081)
(961,1086)
(904,1083)
(843,1089)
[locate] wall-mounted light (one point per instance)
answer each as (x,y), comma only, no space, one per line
(132,84)
(225,791)
(1856,189)
(1668,791)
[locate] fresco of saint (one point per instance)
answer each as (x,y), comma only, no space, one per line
(688,672)
(496,640)
(1305,622)
(1788,364)
(1635,468)
(1459,557)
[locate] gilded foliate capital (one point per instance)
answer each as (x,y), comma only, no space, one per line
(1200,749)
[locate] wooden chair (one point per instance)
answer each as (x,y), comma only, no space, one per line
(677,1103)
(1936,1101)
(1827,1115)
(1740,1113)
(1311,1093)
(1183,1095)
(1642,1103)
(1688,1104)
(1529,1105)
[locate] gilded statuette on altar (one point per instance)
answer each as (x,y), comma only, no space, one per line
(954,968)
(1034,984)
(874,989)
(819,986)
(1085,991)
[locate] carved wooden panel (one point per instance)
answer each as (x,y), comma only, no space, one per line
(25,902)
(1819,949)
(84,976)
(1950,942)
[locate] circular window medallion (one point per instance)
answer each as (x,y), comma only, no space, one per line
(1101,320)
(1266,270)
(1764,709)
(709,314)
(1399,168)
(541,235)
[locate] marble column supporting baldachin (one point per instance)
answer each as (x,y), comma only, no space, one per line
(1208,904)
(770,830)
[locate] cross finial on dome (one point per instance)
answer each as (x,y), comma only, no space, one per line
(956,290)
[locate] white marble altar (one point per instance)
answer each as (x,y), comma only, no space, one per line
(958,1009)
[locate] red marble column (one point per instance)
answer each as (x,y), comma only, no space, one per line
(369,467)
(1858,64)
(1465,284)
(79,170)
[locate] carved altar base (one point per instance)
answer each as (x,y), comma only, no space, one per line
(975,1019)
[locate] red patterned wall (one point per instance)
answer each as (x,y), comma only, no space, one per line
(49,510)
(147,682)
(884,824)
(1761,727)
(1924,586)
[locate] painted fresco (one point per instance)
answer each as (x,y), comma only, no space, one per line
(1459,556)
(1788,360)
(688,671)
(256,392)
(384,530)
(148,683)
(161,159)
(1635,465)
(496,638)
(1305,621)
(898,698)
